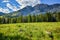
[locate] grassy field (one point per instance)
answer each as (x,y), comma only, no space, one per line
(30,31)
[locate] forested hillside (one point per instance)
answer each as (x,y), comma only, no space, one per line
(47,17)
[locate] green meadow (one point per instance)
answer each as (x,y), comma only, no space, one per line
(30,31)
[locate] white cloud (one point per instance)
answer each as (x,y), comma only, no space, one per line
(5,1)
(25,3)
(14,8)
(5,10)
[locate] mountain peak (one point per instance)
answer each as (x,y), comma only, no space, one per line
(37,9)
(7,6)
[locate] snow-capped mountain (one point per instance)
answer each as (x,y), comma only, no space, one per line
(37,9)
(25,7)
(7,6)
(40,8)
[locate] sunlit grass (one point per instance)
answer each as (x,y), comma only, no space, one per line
(30,31)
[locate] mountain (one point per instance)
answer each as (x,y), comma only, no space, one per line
(40,8)
(37,9)
(2,13)
(26,10)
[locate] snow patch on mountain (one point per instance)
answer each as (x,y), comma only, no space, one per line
(4,10)
(14,8)
(25,3)
(10,4)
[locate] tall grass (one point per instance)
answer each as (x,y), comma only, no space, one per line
(30,31)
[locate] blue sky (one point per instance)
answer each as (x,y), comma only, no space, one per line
(50,1)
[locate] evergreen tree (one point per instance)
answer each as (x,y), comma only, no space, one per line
(58,16)
(49,17)
(29,18)
(33,18)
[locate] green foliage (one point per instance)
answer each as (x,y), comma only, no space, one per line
(58,16)
(29,18)
(47,17)
(30,31)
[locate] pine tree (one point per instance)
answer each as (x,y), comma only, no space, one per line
(29,18)
(58,16)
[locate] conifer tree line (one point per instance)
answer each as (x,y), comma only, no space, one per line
(47,17)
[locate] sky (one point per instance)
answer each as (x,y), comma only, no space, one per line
(7,6)
(50,1)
